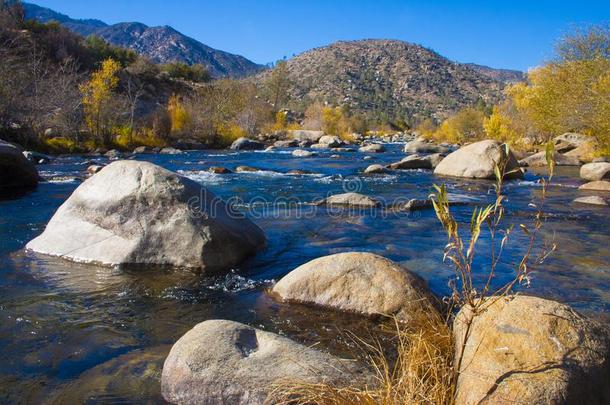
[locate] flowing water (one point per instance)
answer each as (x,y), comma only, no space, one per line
(72,333)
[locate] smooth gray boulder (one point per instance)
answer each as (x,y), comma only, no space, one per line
(595,171)
(372,148)
(170,151)
(375,169)
(417,161)
(477,161)
(351,200)
(290,143)
(597,185)
(418,146)
(16,172)
(592,200)
(247,144)
(332,141)
(357,282)
(303,153)
(222,362)
(133,214)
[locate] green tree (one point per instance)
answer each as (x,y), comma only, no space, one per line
(278,84)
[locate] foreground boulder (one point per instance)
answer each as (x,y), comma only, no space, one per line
(136,213)
(247,144)
(351,200)
(595,171)
(539,160)
(16,172)
(226,362)
(357,282)
(477,161)
(529,350)
(417,161)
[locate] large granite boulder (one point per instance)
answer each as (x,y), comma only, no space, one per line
(357,282)
(224,362)
(16,172)
(477,161)
(528,350)
(135,214)
(247,144)
(595,171)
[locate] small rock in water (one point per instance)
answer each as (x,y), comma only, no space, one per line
(351,200)
(595,171)
(372,148)
(246,144)
(367,158)
(143,149)
(240,169)
(170,151)
(219,170)
(418,162)
(113,154)
(91,170)
(598,185)
(291,143)
(592,199)
(539,160)
(303,153)
(419,146)
(298,171)
(375,169)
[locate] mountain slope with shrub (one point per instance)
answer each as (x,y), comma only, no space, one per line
(388,77)
(159,44)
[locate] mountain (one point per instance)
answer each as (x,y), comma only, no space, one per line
(159,44)
(503,75)
(388,77)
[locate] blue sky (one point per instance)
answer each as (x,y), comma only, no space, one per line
(504,34)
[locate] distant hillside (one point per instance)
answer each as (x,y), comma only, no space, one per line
(388,77)
(160,44)
(504,75)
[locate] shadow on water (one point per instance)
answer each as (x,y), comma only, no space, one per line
(72,333)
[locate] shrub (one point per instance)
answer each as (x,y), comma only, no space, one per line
(228,133)
(178,115)
(465,126)
(61,145)
(193,73)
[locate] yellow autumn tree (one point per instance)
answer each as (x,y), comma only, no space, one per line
(466,125)
(99,100)
(180,118)
(500,126)
(571,93)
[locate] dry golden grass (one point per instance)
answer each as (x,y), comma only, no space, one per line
(418,372)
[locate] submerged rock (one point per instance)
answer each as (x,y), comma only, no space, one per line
(351,200)
(136,213)
(16,172)
(375,169)
(592,199)
(372,148)
(356,282)
(303,153)
(477,161)
(226,362)
(417,161)
(247,144)
(595,171)
(529,350)
(598,185)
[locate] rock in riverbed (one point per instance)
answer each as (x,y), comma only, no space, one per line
(599,185)
(593,200)
(418,162)
(351,200)
(529,350)
(303,153)
(331,141)
(302,135)
(375,169)
(372,148)
(595,171)
(225,362)
(357,282)
(247,144)
(418,146)
(16,172)
(136,213)
(539,160)
(477,161)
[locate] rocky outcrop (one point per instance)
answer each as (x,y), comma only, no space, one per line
(417,161)
(539,160)
(224,362)
(134,214)
(372,148)
(478,161)
(418,146)
(598,185)
(528,350)
(246,144)
(357,282)
(351,200)
(595,171)
(16,172)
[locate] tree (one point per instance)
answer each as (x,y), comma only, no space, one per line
(465,125)
(278,84)
(178,114)
(99,99)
